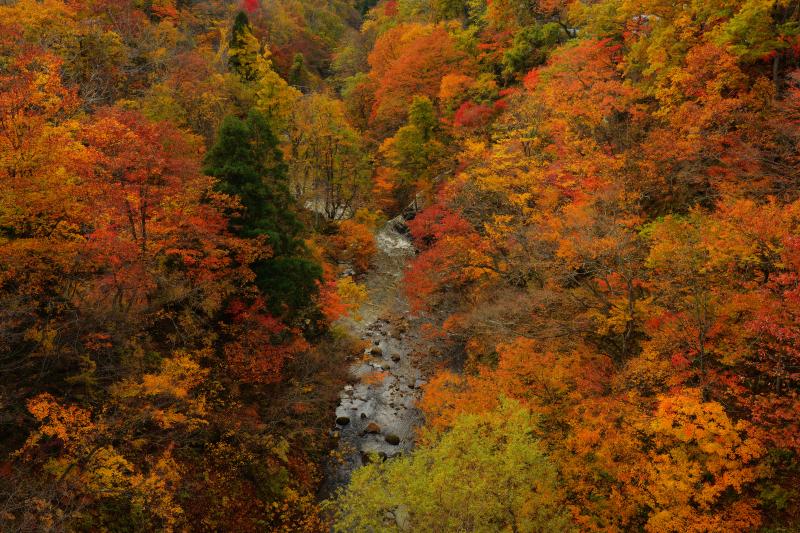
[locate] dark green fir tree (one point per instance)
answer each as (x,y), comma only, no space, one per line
(249,164)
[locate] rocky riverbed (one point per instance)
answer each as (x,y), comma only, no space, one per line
(377,415)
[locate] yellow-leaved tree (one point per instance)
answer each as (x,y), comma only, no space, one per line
(486,474)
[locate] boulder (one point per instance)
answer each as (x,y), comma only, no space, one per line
(392,439)
(402,518)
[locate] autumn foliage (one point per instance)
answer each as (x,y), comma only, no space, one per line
(137,338)
(603,197)
(619,256)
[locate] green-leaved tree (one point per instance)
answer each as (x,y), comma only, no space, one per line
(487,474)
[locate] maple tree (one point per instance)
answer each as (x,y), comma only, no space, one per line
(355,243)
(603,200)
(407,61)
(646,270)
(117,251)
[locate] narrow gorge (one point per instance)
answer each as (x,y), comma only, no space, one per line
(377,414)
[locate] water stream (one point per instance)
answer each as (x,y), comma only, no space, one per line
(377,415)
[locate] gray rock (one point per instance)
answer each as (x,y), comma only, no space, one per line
(402,519)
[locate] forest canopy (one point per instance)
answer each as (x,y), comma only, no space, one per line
(604,201)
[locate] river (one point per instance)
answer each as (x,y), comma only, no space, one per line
(377,415)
